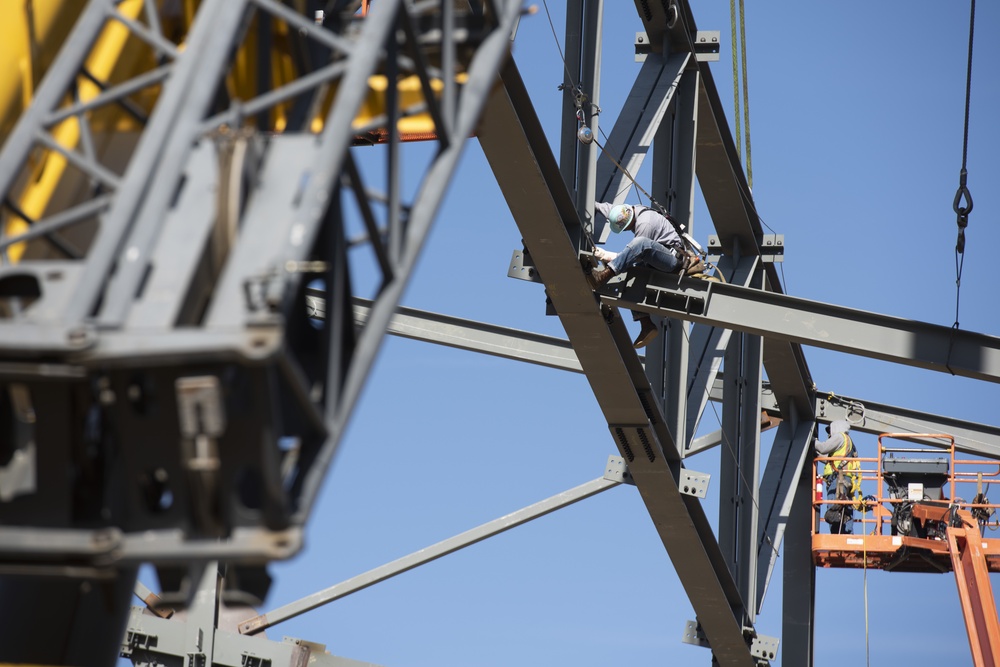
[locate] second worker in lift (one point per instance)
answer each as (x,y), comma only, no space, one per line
(656,245)
(842,475)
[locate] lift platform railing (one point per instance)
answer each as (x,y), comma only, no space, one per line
(895,486)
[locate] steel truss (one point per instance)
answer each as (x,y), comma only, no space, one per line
(174,292)
(181,323)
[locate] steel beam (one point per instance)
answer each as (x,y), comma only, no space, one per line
(478,337)
(518,152)
(798,606)
(632,136)
(672,184)
(866,416)
(615,473)
(789,452)
(792,319)
(740,463)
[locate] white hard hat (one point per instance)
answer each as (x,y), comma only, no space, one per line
(620,217)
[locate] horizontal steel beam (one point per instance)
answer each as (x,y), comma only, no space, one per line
(477,337)
(792,319)
(866,416)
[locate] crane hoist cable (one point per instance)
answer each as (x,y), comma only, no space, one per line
(962,205)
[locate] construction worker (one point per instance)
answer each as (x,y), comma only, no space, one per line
(656,245)
(843,477)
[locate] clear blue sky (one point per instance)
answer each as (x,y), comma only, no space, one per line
(856,116)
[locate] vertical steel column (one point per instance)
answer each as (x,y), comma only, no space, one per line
(673,186)
(740,461)
(578,162)
(590,81)
(798,607)
(569,147)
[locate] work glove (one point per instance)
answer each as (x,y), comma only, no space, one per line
(603,255)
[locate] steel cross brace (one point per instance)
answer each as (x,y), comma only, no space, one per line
(615,473)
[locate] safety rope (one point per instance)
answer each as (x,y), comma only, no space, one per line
(736,81)
(864,555)
(737,60)
(962,195)
(746,94)
(555,38)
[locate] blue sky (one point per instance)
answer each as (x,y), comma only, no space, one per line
(856,128)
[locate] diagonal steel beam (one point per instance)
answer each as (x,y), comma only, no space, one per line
(788,457)
(632,136)
(518,152)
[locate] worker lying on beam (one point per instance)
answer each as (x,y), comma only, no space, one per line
(656,245)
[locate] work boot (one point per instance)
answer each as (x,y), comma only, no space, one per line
(601,275)
(646,333)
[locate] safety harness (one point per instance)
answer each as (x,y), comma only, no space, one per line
(848,465)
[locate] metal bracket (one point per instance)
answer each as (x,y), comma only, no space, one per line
(772,248)
(694,483)
(642,47)
(522,268)
(764,647)
(617,471)
(706,46)
(694,635)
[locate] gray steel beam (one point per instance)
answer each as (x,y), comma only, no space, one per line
(669,27)
(739,463)
(866,416)
(518,153)
(798,607)
(672,184)
(792,319)
(632,136)
(875,418)
(708,345)
(615,473)
(785,464)
(569,146)
(478,337)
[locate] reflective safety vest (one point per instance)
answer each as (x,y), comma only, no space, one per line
(850,465)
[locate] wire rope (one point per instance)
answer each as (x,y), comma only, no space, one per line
(962,194)
(736,79)
(555,38)
(746,94)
